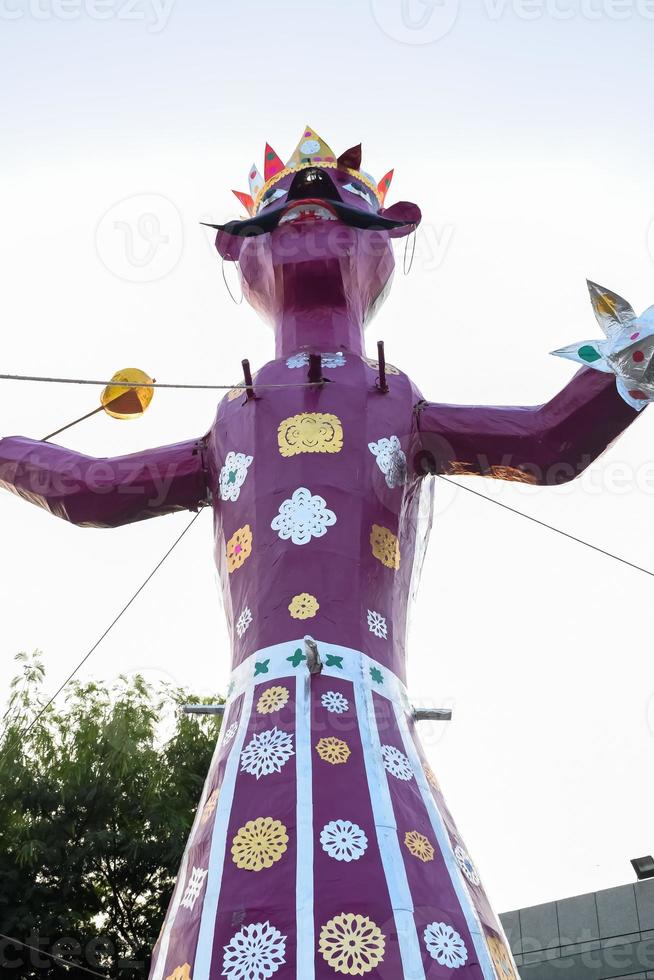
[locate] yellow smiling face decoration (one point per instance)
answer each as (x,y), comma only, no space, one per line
(314,432)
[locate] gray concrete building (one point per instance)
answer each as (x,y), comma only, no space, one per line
(605,935)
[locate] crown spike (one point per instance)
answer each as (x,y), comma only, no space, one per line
(272,164)
(384,184)
(246,200)
(311,149)
(256,180)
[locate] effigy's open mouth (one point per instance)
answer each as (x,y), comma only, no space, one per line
(302,212)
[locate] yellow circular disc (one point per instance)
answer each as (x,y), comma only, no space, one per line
(124,402)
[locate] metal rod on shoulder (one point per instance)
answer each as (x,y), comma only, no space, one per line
(382,383)
(315,369)
(247,374)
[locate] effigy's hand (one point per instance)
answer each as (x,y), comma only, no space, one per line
(628,350)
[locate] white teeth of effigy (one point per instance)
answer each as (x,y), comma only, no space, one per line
(305,211)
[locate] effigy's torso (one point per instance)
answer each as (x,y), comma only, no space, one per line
(322,845)
(334,459)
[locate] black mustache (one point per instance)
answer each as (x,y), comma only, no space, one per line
(263,224)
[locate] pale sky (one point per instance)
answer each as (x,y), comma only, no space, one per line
(523,131)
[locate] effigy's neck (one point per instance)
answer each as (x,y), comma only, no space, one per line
(318,329)
(321,309)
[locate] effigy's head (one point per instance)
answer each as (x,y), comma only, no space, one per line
(317,231)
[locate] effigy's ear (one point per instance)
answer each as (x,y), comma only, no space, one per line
(407,213)
(611,310)
(351,158)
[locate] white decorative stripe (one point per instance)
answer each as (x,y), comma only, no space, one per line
(160,963)
(355,666)
(445,844)
(204,952)
(304,807)
(386,829)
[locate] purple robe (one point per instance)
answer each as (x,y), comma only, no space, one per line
(323,845)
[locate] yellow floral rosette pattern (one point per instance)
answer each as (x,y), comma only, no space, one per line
(352,944)
(239,548)
(181,973)
(501,958)
(333,750)
(419,846)
(313,432)
(210,807)
(431,778)
(303,606)
(385,546)
(259,844)
(273,699)
(390,368)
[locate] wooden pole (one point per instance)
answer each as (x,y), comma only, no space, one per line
(96,411)
(89,415)
(315,369)
(382,383)
(247,374)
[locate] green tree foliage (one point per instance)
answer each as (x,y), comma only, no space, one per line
(96,803)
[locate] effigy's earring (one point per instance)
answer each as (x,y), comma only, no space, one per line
(236,302)
(407,268)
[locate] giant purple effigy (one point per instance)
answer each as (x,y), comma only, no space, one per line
(323,845)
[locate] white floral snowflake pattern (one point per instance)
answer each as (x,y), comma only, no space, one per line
(230,733)
(267,752)
(377,624)
(233,474)
(445,945)
(337,359)
(391,460)
(254,953)
(396,763)
(243,621)
(466,865)
(297,360)
(302,517)
(343,840)
(335,702)
(334,360)
(193,888)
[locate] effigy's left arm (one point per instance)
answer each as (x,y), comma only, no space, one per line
(544,444)
(105,492)
(554,442)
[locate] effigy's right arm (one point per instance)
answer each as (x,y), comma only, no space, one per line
(107,492)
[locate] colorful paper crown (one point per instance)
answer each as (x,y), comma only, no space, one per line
(311,151)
